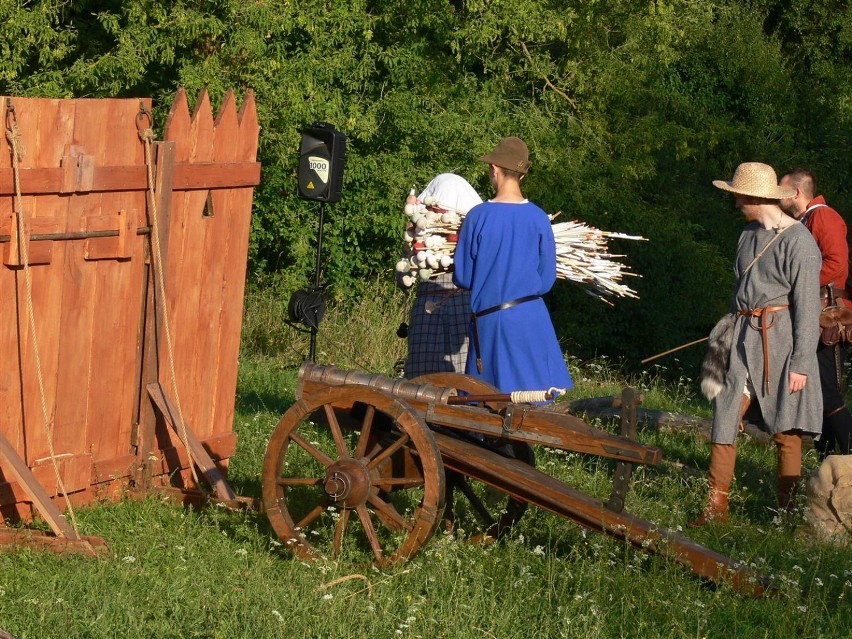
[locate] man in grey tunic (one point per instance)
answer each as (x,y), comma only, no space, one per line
(774,333)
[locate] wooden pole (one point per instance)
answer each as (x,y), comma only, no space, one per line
(673,350)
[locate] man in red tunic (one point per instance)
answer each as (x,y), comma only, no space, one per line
(829,231)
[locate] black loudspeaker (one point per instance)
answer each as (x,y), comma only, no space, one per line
(321,159)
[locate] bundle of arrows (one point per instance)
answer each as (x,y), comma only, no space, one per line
(582,251)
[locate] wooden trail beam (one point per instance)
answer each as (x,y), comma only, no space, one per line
(534,426)
(532,486)
(197,452)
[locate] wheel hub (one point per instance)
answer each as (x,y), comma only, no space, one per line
(347,482)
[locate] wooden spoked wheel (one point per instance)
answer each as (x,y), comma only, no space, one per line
(353,471)
(481,511)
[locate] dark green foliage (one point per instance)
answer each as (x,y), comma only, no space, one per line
(630,110)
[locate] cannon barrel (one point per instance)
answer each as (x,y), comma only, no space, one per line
(401,388)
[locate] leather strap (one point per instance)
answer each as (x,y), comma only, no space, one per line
(766,319)
(808,212)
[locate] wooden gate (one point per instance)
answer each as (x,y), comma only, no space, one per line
(102,385)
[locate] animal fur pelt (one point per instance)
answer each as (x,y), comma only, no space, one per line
(715,363)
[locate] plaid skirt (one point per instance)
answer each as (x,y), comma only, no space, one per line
(438,331)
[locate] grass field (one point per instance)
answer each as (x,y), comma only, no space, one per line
(178,572)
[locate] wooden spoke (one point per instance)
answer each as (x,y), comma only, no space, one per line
(336,431)
(300,481)
(391,516)
(318,510)
(398,482)
(366,431)
(387,452)
(339,531)
(370,530)
(314,452)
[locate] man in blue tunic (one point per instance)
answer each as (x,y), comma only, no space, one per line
(506,256)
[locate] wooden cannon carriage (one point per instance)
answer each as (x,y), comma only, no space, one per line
(365,463)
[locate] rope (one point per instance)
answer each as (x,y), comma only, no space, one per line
(14,137)
(147,136)
(531,396)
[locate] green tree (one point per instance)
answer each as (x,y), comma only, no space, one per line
(630,110)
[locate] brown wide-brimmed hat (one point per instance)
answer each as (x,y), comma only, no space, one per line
(755,179)
(511,153)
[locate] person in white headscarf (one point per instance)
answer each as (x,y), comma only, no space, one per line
(440,317)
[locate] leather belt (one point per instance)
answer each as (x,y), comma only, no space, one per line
(488,311)
(766,320)
(505,305)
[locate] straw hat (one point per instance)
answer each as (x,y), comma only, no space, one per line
(511,153)
(757,180)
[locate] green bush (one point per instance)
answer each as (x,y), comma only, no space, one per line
(630,110)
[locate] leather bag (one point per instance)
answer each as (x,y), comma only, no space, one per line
(835,325)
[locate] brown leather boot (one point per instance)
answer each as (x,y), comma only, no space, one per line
(715,510)
(789,468)
(722,460)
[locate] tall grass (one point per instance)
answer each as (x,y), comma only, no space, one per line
(358,333)
(179,572)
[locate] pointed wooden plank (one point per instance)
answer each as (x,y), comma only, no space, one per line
(199,454)
(209,359)
(75,387)
(233,286)
(187,270)
(177,123)
(114,295)
(13,464)
(34,117)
